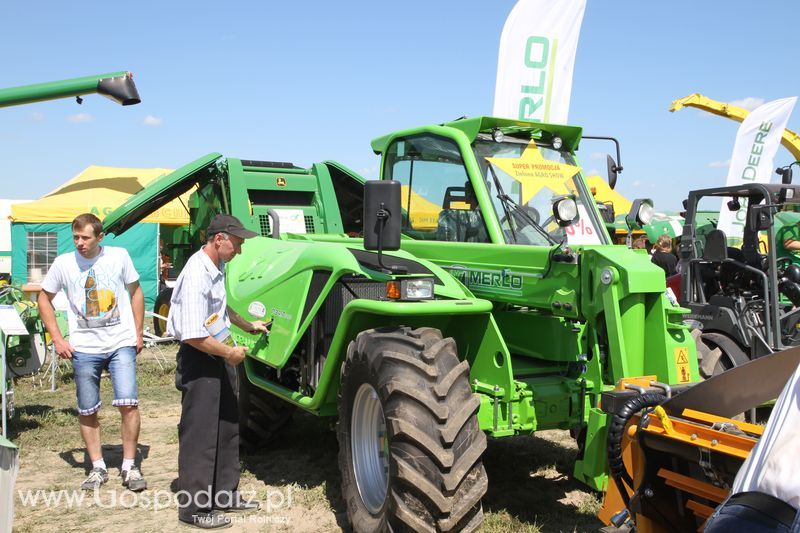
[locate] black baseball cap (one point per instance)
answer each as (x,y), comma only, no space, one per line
(230,225)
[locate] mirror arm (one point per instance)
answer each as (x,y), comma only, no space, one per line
(383,215)
(618,165)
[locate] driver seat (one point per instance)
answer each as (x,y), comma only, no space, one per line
(461,225)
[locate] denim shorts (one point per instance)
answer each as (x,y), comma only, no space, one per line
(87,367)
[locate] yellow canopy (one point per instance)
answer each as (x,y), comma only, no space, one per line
(604,193)
(99,190)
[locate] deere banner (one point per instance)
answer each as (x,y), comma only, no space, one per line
(757,142)
(537,54)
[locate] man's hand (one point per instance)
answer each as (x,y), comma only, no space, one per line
(139,343)
(259,326)
(63,348)
(236,355)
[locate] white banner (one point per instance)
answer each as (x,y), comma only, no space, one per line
(537,53)
(757,142)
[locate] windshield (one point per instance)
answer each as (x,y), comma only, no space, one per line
(523,181)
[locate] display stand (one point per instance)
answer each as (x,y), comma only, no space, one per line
(10,325)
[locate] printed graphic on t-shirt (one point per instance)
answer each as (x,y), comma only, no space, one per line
(100,308)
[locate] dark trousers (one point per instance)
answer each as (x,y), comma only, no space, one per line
(753,512)
(208,433)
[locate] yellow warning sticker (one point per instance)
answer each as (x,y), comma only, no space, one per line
(682,364)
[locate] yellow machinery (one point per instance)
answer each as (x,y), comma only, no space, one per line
(674,453)
(790,139)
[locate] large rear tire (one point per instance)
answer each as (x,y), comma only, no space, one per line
(261,415)
(409,442)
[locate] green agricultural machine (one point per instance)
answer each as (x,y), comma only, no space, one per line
(471,292)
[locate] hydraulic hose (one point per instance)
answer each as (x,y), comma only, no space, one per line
(616,430)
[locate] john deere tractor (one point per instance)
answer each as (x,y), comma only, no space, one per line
(504,311)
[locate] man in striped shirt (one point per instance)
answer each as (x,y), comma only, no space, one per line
(208,457)
(765,495)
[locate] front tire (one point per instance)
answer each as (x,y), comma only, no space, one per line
(409,442)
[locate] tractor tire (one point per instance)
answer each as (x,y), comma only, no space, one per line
(410,446)
(161,307)
(731,354)
(261,415)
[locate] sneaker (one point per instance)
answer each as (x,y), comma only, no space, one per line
(97,477)
(132,479)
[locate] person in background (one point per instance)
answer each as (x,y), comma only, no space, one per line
(640,243)
(105,314)
(663,256)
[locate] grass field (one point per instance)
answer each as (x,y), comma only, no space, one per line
(296,478)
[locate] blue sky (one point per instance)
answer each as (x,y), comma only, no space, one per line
(308,81)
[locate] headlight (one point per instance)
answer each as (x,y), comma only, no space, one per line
(410,289)
(646,213)
(557,143)
(565,211)
(497,135)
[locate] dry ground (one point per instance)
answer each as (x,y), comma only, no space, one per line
(529,485)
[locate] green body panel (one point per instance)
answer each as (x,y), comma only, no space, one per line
(591,467)
(278,274)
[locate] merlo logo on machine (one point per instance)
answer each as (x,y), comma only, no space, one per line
(494,281)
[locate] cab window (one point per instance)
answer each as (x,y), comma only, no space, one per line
(438,200)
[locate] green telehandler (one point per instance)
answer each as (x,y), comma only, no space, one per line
(504,311)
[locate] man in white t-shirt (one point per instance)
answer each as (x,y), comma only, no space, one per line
(105,314)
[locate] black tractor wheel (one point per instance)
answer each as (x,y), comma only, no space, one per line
(261,415)
(161,307)
(723,353)
(409,442)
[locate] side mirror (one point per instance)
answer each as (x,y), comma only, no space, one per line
(785,173)
(734,205)
(382,215)
(613,170)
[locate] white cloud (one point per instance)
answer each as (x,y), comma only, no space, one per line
(369,172)
(80,117)
(636,183)
(591,172)
(598,155)
(38,117)
(150,120)
(750,103)
(720,164)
